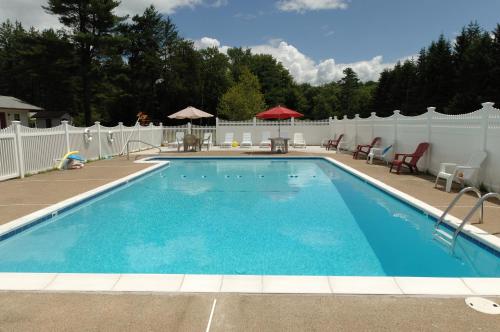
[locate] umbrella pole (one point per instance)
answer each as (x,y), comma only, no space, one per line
(279,128)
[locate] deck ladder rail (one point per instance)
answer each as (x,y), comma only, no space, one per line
(447,238)
(140,141)
(478,204)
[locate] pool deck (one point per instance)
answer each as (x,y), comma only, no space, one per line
(254,312)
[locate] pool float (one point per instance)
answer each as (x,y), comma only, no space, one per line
(70,155)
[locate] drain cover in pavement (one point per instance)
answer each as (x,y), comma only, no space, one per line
(483,305)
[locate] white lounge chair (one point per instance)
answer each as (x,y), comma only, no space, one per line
(207,141)
(246,141)
(228,140)
(298,141)
(266,142)
(460,173)
(379,153)
(179,140)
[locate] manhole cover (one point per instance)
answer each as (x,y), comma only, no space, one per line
(483,305)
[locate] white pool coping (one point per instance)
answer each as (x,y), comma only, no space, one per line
(263,284)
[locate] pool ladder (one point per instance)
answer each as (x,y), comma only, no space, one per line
(450,239)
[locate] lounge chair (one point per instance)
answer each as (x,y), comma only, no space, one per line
(228,140)
(207,140)
(246,141)
(334,143)
(266,142)
(380,153)
(179,140)
(413,159)
(298,141)
(460,173)
(365,148)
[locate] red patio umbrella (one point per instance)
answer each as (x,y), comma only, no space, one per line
(279,112)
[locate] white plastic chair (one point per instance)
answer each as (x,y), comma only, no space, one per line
(266,142)
(207,140)
(179,139)
(228,140)
(379,153)
(299,141)
(461,173)
(246,141)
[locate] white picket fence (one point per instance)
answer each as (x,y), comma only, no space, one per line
(453,138)
(26,150)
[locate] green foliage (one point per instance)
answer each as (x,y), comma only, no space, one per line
(104,68)
(243,100)
(454,78)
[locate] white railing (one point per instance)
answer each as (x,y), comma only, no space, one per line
(26,150)
(453,138)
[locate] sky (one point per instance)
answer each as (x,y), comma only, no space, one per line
(314,39)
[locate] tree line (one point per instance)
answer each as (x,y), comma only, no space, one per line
(109,68)
(454,76)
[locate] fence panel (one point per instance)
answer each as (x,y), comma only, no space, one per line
(8,155)
(42,148)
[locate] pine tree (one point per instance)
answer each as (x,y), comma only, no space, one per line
(92,23)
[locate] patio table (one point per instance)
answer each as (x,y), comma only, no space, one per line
(279,144)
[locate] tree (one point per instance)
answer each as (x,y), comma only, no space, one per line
(92,23)
(243,100)
(348,85)
(473,62)
(37,67)
(215,77)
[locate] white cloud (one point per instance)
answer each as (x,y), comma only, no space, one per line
(303,68)
(206,42)
(30,12)
(301,6)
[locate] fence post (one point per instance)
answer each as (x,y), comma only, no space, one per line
(98,124)
(19,146)
(122,136)
(430,114)
(160,125)
(152,132)
(344,121)
(484,123)
(373,114)
(356,118)
(66,134)
(292,122)
(396,117)
(216,131)
(254,121)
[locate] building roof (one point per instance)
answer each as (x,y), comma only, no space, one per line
(48,115)
(14,103)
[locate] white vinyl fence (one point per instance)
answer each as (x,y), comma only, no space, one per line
(26,150)
(453,138)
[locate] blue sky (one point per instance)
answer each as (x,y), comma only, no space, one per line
(314,39)
(392,28)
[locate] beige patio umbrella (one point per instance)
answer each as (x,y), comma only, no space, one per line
(190,113)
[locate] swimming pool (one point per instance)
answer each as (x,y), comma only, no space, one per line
(247,217)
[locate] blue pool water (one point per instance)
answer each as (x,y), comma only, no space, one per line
(245,216)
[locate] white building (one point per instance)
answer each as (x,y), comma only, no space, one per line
(48,119)
(13,109)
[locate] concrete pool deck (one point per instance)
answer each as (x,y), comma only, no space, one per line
(236,312)
(39,310)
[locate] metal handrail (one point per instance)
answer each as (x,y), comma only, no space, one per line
(455,200)
(470,214)
(139,141)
